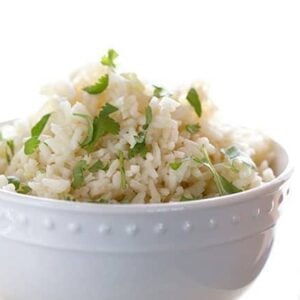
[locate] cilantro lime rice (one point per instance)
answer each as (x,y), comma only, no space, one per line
(106,137)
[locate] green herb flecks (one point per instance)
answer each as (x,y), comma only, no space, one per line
(97,166)
(10,149)
(192,128)
(223,185)
(109,58)
(19,187)
(15,181)
(176,165)
(90,132)
(234,154)
(148,118)
(122,170)
(24,189)
(160,92)
(11,145)
(193,99)
(78,174)
(103,124)
(99,87)
(140,148)
(33,143)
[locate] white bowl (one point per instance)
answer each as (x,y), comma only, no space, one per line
(208,249)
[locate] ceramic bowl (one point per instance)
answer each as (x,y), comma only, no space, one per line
(208,249)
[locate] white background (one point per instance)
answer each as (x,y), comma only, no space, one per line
(247,51)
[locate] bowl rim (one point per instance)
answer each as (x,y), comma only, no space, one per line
(225,200)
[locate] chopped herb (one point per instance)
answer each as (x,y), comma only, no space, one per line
(103,125)
(89,136)
(194,101)
(108,59)
(192,128)
(122,170)
(24,189)
(15,181)
(97,166)
(99,86)
(233,153)
(20,188)
(140,138)
(32,144)
(223,185)
(78,174)
(40,126)
(107,110)
(228,186)
(7,157)
(140,147)
(175,165)
(160,92)
(148,117)
(11,146)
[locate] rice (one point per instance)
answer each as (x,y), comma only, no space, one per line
(172,169)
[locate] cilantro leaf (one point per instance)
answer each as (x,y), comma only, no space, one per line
(11,146)
(149,117)
(122,170)
(223,185)
(107,110)
(7,157)
(32,143)
(192,128)
(20,188)
(103,124)
(108,59)
(40,126)
(10,150)
(175,165)
(233,154)
(97,166)
(228,186)
(193,99)
(90,133)
(78,174)
(24,189)
(140,147)
(140,138)
(160,92)
(99,86)
(15,181)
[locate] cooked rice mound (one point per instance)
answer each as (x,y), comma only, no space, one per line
(171,169)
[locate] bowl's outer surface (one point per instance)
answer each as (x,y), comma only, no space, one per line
(211,250)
